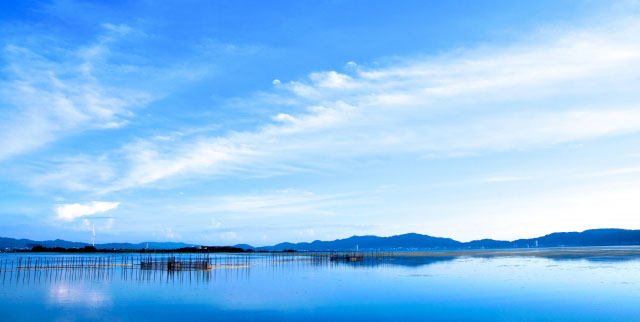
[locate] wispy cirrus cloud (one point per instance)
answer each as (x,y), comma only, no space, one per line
(48,94)
(217,216)
(231,209)
(558,87)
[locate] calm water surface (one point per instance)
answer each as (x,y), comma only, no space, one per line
(261,288)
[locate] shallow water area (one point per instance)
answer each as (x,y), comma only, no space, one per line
(240,287)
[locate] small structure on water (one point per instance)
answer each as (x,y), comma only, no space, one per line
(176,264)
(347,257)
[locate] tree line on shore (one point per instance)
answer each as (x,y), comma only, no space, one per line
(92,249)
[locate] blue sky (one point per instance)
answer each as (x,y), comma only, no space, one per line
(262,122)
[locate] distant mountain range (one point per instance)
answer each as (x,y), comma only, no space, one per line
(405,242)
(412,241)
(11,243)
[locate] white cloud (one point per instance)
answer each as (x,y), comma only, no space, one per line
(573,86)
(350,66)
(505,179)
(72,211)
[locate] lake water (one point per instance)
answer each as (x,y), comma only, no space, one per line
(267,288)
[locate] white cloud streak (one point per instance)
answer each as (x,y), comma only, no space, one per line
(505,179)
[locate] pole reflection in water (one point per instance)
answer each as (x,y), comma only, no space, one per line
(169,268)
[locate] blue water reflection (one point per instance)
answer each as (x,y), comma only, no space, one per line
(405,288)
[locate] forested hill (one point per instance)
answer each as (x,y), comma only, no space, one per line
(412,241)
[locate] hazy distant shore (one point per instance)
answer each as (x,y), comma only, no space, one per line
(564,252)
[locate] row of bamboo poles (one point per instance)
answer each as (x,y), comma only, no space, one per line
(127,274)
(192,268)
(181,261)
